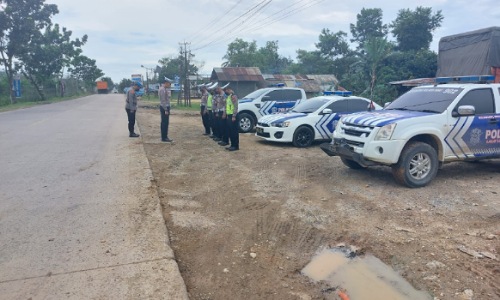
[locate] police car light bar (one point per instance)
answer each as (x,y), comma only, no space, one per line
(466,79)
(277,85)
(337,93)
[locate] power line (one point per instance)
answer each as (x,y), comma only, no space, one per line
(213,22)
(231,23)
(284,13)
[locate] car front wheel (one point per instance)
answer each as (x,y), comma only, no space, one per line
(303,137)
(417,165)
(245,122)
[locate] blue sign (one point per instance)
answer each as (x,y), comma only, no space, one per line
(17,86)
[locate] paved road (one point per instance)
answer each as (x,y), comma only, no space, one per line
(79,217)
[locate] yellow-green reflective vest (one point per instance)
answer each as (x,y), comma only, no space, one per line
(209,101)
(229,105)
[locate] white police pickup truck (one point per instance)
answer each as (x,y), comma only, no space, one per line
(452,120)
(311,120)
(266,101)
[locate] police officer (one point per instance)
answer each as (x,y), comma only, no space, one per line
(131,107)
(165,94)
(215,108)
(204,110)
(210,109)
(223,129)
(231,119)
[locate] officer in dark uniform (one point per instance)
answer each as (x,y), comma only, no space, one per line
(224,130)
(205,118)
(231,119)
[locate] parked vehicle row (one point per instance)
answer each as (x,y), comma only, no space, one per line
(454,119)
(311,120)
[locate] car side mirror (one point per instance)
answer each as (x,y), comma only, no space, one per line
(327,111)
(265,98)
(464,110)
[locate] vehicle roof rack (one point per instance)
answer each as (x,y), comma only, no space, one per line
(466,79)
(337,93)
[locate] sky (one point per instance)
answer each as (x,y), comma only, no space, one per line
(125,34)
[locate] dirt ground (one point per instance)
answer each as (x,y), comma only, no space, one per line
(284,204)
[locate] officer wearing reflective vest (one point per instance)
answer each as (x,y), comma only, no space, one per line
(231,119)
(221,117)
(204,110)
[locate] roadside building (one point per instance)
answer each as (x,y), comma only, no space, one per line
(242,80)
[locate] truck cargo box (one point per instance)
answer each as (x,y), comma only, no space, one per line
(474,52)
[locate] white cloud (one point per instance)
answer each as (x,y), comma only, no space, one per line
(123,34)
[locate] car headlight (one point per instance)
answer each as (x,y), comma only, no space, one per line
(385,133)
(281,124)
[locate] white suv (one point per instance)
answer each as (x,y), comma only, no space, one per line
(422,129)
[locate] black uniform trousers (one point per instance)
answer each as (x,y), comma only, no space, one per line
(205,119)
(131,120)
(165,119)
(233,131)
(211,121)
(220,125)
(224,128)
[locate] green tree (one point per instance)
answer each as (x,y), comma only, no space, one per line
(376,51)
(241,54)
(171,67)
(21,21)
(332,45)
(368,25)
(48,55)
(125,82)
(310,62)
(269,60)
(85,69)
(413,29)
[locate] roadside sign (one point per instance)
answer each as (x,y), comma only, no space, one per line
(17,86)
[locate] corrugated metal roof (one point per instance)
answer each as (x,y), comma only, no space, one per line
(237,74)
(324,79)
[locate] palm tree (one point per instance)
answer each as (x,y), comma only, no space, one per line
(376,50)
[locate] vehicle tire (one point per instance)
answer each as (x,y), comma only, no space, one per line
(246,122)
(417,165)
(303,137)
(352,164)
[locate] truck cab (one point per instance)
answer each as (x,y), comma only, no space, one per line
(456,119)
(262,102)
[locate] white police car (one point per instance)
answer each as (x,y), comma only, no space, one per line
(262,102)
(314,119)
(455,119)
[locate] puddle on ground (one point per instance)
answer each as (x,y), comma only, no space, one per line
(361,278)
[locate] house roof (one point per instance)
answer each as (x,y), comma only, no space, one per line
(237,74)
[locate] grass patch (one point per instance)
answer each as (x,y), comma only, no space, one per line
(21,105)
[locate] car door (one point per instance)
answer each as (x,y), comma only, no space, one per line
(279,101)
(326,124)
(477,135)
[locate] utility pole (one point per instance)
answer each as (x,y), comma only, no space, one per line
(187,90)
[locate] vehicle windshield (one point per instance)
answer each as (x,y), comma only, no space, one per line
(426,99)
(254,94)
(309,106)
